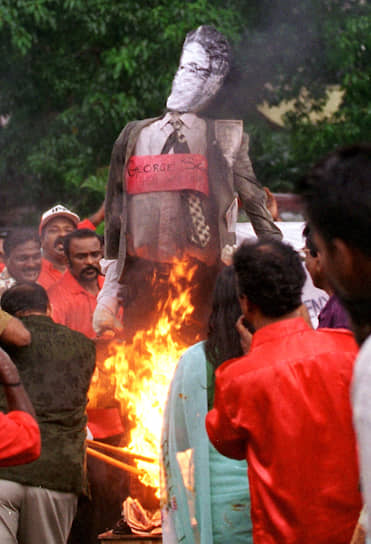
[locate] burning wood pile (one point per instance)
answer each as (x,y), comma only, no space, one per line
(138,375)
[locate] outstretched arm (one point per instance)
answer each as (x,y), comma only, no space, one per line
(252,194)
(13,331)
(16,396)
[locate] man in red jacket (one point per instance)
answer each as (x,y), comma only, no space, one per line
(285,407)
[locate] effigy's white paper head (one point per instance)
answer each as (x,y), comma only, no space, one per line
(204,63)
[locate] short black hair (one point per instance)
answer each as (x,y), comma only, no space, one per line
(270,274)
(17,237)
(78,234)
(337,196)
(25,296)
(309,242)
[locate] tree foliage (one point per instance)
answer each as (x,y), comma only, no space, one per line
(74,72)
(308,45)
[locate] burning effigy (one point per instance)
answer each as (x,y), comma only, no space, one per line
(174,186)
(137,374)
(171,210)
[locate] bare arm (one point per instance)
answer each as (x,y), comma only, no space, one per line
(97,217)
(15,333)
(16,396)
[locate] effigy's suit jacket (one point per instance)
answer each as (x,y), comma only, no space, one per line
(230,172)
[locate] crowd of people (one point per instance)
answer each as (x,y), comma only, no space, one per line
(267,426)
(267,429)
(296,405)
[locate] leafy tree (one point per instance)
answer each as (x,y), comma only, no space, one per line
(73,73)
(306,45)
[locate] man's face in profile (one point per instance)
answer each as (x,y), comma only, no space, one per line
(340,266)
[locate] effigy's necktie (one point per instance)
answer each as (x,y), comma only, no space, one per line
(199,229)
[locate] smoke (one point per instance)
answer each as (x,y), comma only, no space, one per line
(276,57)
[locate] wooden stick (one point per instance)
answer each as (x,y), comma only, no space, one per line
(121,452)
(113,462)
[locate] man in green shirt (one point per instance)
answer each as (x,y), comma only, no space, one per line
(38,501)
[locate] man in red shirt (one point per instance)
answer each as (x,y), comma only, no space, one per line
(74,297)
(285,407)
(54,225)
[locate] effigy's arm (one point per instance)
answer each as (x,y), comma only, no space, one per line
(105,314)
(252,194)
(115,198)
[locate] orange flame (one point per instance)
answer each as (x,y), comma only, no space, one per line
(141,371)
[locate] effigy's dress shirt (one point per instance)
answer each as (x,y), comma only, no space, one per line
(285,407)
(157,229)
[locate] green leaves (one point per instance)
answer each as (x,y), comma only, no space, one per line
(74,72)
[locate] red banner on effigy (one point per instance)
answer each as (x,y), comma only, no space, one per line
(170,172)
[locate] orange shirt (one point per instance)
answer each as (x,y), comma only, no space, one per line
(48,275)
(72,305)
(285,408)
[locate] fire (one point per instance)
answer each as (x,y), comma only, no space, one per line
(141,371)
